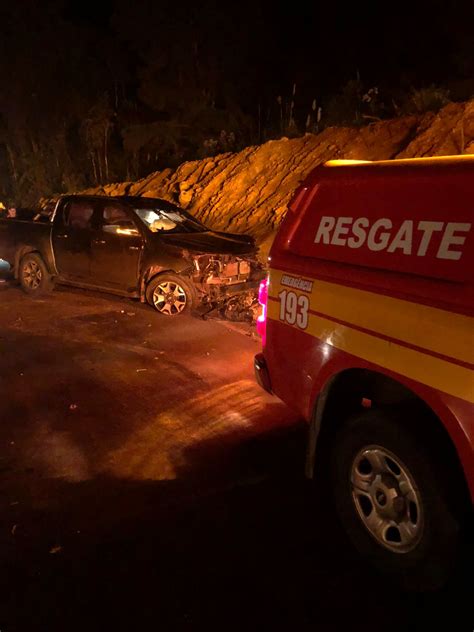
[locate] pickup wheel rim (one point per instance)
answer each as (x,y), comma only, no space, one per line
(387,499)
(169,298)
(32,275)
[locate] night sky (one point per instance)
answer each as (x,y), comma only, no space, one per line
(316,42)
(163,82)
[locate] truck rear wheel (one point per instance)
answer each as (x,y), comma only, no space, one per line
(393,502)
(34,276)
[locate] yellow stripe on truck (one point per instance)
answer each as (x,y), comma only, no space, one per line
(439,374)
(436,330)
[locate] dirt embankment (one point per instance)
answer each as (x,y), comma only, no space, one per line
(249,191)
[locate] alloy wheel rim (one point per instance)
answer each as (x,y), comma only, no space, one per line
(169,298)
(32,275)
(387,499)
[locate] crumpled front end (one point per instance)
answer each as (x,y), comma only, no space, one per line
(216,276)
(228,284)
(225,277)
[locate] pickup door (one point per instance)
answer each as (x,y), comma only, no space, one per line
(72,237)
(117,245)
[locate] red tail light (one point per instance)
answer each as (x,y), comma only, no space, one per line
(262,299)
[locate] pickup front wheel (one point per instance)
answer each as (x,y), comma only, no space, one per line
(34,276)
(170,294)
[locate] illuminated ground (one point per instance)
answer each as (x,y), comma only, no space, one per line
(148,484)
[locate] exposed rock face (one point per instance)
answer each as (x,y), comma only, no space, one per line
(249,191)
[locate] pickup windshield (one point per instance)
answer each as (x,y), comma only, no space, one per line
(169,221)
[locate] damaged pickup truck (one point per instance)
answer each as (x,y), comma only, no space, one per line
(131,246)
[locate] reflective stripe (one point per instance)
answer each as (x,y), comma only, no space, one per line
(437,330)
(424,327)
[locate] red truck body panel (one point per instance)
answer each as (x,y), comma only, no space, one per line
(373,268)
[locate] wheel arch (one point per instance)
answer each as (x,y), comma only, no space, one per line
(151,272)
(28,249)
(349,391)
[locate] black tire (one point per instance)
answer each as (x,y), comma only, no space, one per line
(430,555)
(181,296)
(34,276)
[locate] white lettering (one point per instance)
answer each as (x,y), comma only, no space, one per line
(428,229)
(291,308)
(302,315)
(382,242)
(341,229)
(359,232)
(450,239)
(298,283)
(403,238)
(294,309)
(355,233)
(325,227)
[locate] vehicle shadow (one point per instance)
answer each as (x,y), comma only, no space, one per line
(242,323)
(112,553)
(222,532)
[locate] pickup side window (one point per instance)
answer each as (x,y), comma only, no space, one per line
(115,220)
(78,215)
(114,215)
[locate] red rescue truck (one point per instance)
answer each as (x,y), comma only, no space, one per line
(367,330)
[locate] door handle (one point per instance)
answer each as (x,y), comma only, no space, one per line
(62,236)
(134,247)
(99,242)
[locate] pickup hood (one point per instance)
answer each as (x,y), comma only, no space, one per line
(211,242)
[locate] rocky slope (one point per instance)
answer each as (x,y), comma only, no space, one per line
(249,191)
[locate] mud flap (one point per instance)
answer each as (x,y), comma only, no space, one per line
(314,431)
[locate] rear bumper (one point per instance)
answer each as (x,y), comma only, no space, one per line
(261,372)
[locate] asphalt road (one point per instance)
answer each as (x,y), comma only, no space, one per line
(148,484)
